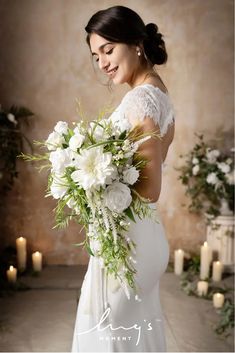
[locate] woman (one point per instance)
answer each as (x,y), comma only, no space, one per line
(127,50)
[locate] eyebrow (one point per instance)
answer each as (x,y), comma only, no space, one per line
(102,47)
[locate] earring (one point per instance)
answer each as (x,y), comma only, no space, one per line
(139,53)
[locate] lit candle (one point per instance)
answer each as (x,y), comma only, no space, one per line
(12,274)
(21,253)
(179,261)
(202,288)
(218,300)
(217,271)
(206,256)
(37,261)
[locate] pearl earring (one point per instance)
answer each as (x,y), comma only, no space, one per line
(138,53)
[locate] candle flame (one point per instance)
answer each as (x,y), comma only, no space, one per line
(205,243)
(11,268)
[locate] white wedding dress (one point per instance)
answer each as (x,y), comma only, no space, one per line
(129,325)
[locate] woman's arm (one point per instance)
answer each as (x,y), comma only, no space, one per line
(149,183)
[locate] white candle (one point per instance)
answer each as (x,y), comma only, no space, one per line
(218,300)
(21,253)
(12,274)
(179,261)
(206,256)
(217,271)
(37,261)
(202,288)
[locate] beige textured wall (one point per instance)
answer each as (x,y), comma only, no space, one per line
(45,65)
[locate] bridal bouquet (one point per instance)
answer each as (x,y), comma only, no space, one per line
(93,168)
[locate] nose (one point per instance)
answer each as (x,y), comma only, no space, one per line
(103,63)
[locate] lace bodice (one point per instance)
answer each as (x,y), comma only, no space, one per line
(147,100)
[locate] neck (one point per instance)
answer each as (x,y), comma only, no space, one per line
(141,75)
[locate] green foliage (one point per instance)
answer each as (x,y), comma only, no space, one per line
(11,143)
(226,321)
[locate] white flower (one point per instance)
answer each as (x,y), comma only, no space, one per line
(195,160)
(212,155)
(71,203)
(229,161)
(95,246)
(117,197)
(225,168)
(212,178)
(119,124)
(76,141)
(231,177)
(61,127)
(54,140)
(94,167)
(12,118)
(58,187)
(130,175)
(60,159)
(98,131)
(196,169)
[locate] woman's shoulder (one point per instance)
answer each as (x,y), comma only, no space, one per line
(149,100)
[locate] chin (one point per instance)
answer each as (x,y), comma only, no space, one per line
(118,81)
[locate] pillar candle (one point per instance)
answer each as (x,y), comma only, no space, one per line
(205,261)
(218,300)
(37,261)
(202,288)
(21,253)
(217,271)
(179,261)
(12,274)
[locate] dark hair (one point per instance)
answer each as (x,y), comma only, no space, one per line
(123,25)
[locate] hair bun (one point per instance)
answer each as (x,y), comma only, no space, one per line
(152,32)
(154,45)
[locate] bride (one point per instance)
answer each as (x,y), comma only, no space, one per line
(127,50)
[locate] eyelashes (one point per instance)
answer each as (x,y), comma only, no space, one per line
(107,53)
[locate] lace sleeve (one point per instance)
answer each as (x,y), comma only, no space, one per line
(147,100)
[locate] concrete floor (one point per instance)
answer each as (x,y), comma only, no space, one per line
(42,319)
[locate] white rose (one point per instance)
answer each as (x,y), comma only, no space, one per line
(216,153)
(76,141)
(61,127)
(196,169)
(12,118)
(54,140)
(117,197)
(60,159)
(225,168)
(212,155)
(212,178)
(58,187)
(130,175)
(195,160)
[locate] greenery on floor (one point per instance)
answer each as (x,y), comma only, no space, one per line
(188,283)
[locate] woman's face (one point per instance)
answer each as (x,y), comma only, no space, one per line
(118,61)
